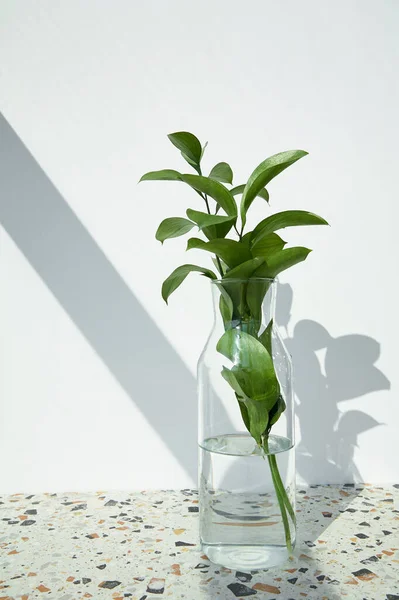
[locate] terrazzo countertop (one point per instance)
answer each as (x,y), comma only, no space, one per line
(144,545)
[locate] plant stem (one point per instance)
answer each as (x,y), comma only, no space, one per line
(238,233)
(205,197)
(282,507)
(282,489)
(207,204)
(219,265)
(280,493)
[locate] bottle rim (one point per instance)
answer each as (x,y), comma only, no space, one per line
(243,280)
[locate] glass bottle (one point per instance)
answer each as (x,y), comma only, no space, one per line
(246,485)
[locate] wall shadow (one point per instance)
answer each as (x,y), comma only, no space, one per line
(97,299)
(329,436)
(103,307)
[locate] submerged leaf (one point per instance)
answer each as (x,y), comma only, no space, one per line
(244,413)
(231,379)
(255,413)
(258,413)
(276,411)
(266,337)
(253,366)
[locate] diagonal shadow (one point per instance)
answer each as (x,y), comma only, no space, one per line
(97,299)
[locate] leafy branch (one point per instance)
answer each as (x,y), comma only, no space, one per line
(260,253)
(247,267)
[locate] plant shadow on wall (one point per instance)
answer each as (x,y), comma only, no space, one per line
(97,299)
(347,372)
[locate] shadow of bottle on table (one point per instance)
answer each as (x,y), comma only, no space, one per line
(223,585)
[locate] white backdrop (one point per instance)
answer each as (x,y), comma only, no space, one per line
(97,374)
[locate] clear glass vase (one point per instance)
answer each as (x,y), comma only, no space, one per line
(246,431)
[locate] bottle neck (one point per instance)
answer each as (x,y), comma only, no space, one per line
(248,305)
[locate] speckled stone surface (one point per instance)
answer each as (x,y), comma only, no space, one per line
(145,546)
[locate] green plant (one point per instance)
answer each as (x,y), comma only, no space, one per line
(256,254)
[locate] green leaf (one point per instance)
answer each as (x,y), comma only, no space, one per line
(256,291)
(225,310)
(258,413)
(192,163)
(266,337)
(263,193)
(173,227)
(245,269)
(231,379)
(189,146)
(230,251)
(215,190)
(205,220)
(216,264)
(277,410)
(236,290)
(164,175)
(265,172)
(225,304)
(221,230)
(222,172)
(255,413)
(286,218)
(178,276)
(246,239)
(195,243)
(203,149)
(268,245)
(253,366)
(217,231)
(244,414)
(282,260)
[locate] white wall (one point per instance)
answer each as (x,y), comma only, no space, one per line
(97,374)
